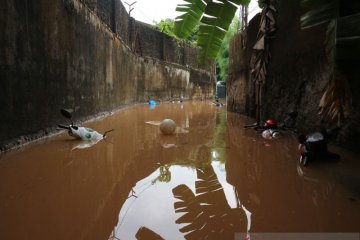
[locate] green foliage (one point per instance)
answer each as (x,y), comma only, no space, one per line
(186,23)
(214,25)
(165,26)
(216,17)
(222,59)
(165,174)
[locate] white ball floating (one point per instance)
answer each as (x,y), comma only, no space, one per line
(167,126)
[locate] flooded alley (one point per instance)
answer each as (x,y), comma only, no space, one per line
(212,179)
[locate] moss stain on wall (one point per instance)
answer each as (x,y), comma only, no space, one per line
(62,53)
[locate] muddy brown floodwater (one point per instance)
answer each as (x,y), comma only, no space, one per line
(213,179)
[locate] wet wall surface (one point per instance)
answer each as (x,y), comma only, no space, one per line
(212,179)
(297,75)
(59,54)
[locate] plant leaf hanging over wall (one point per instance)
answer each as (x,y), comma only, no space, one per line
(215,16)
(186,23)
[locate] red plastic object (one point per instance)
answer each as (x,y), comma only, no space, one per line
(271,123)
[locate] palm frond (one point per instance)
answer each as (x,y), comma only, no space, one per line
(186,23)
(207,209)
(146,233)
(214,25)
(261,55)
(215,16)
(332,100)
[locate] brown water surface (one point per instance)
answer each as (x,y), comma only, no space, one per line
(210,180)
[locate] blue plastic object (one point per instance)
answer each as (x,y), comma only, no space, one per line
(152,104)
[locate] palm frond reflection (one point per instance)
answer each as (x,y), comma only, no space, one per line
(207,212)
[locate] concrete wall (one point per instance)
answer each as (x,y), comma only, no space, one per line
(240,95)
(141,37)
(297,75)
(59,53)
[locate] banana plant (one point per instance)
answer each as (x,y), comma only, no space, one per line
(342,44)
(214,17)
(261,51)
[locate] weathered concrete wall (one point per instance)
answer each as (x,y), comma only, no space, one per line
(240,93)
(141,37)
(297,75)
(56,54)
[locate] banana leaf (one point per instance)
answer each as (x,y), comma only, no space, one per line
(214,25)
(186,23)
(206,211)
(215,16)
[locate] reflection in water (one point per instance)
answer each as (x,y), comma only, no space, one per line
(208,209)
(210,179)
(206,212)
(153,206)
(190,204)
(84,144)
